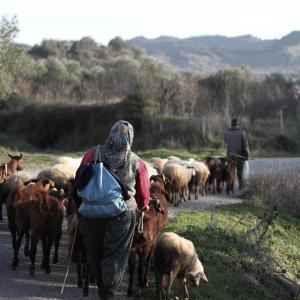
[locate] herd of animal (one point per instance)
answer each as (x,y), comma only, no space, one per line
(37,206)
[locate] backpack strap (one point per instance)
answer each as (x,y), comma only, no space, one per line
(97,153)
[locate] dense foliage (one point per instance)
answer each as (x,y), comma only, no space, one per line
(181,109)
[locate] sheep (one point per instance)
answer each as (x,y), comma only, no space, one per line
(175,256)
(62,173)
(158,164)
(172,157)
(67,165)
(151,171)
(199,180)
(178,177)
(61,181)
(65,160)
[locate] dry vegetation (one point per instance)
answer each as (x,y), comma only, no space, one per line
(277,188)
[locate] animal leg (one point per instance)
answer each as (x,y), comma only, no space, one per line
(49,243)
(57,240)
(169,284)
(158,282)
(26,248)
(141,270)
(147,266)
(32,253)
(16,250)
(44,246)
(184,290)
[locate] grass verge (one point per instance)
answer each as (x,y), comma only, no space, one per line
(224,253)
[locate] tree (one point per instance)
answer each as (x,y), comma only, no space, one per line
(12,58)
(118,44)
(84,50)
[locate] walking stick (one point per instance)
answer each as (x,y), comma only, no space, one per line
(67,273)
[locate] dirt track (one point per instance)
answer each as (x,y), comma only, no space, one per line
(20,285)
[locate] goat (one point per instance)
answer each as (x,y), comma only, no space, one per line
(14,165)
(43,214)
(230,176)
(216,169)
(79,254)
(143,243)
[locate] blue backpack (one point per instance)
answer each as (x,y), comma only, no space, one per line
(102,197)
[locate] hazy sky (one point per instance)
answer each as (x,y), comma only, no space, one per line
(105,19)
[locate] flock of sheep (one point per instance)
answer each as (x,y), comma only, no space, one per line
(182,178)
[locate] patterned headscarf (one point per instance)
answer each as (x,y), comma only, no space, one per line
(117,147)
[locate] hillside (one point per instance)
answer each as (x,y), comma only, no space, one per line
(211,53)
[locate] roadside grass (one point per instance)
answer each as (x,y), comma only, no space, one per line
(33,158)
(224,253)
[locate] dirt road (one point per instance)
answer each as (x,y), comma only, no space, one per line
(20,285)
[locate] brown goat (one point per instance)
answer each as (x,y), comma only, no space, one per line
(14,165)
(43,214)
(79,254)
(153,222)
(216,166)
(230,176)
(21,194)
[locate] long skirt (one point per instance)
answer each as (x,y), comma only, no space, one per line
(108,243)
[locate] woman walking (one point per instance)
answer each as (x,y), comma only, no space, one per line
(108,240)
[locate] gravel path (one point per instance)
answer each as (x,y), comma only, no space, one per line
(20,285)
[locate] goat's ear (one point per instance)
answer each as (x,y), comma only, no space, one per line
(203,276)
(45,181)
(34,180)
(21,155)
(152,178)
(9,155)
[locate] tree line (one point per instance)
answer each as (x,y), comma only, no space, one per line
(83,72)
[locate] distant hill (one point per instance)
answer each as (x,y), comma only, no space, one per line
(210,53)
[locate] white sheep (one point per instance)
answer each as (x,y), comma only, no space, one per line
(197,184)
(68,160)
(178,177)
(175,256)
(151,171)
(158,164)
(61,181)
(67,165)
(172,157)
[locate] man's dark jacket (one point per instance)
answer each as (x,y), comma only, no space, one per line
(236,141)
